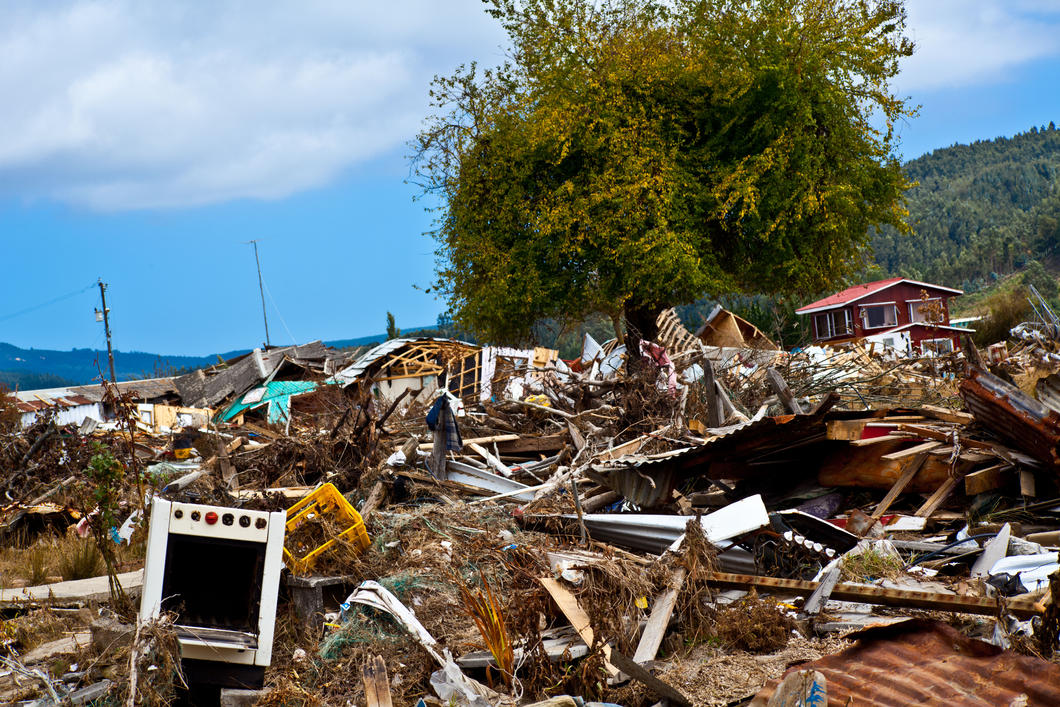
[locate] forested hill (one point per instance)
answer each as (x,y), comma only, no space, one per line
(979,211)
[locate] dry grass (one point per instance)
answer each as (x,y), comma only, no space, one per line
(754,624)
(870,565)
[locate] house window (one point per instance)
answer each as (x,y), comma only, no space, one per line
(927,311)
(879,316)
(934,347)
(832,324)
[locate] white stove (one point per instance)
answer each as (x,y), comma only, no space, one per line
(217,569)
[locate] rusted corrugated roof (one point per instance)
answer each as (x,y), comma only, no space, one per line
(922,662)
(59,401)
(1012,415)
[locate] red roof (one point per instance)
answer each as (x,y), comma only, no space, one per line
(852,294)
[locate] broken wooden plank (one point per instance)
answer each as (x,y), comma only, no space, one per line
(655,628)
(375,497)
(780,387)
(912,451)
(495,463)
(947,415)
(877,440)
(376,683)
(1027,487)
(988,479)
(938,497)
(569,606)
(911,468)
(869,594)
(478,440)
(639,672)
(847,430)
(715,418)
(822,593)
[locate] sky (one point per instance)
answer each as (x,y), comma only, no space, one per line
(145,143)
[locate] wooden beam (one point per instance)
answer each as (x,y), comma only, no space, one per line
(714,416)
(848,430)
(947,415)
(988,479)
(938,497)
(1027,483)
(376,683)
(655,628)
(912,451)
(869,594)
(910,470)
(639,672)
(821,595)
(568,605)
(495,463)
(780,387)
(478,440)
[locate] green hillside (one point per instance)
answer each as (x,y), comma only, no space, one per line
(979,211)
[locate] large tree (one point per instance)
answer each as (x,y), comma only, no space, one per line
(635,154)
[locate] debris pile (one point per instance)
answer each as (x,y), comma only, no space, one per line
(479,525)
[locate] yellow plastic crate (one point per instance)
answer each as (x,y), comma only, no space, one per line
(323,503)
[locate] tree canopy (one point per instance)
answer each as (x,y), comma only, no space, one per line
(634,154)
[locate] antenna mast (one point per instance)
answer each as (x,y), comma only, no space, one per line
(261,288)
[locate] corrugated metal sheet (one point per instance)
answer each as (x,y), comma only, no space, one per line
(922,662)
(649,481)
(1012,415)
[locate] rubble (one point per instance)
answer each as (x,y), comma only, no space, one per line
(511,528)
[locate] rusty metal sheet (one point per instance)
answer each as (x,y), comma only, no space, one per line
(1012,415)
(923,662)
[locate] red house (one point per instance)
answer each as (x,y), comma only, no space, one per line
(909,316)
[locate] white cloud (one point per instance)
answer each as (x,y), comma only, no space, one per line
(968,42)
(119,104)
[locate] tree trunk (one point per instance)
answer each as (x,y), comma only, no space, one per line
(641,323)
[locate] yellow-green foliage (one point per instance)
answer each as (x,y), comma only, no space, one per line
(634,154)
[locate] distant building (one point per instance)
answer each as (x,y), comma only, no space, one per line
(908,316)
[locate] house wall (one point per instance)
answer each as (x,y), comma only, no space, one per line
(74,415)
(902,294)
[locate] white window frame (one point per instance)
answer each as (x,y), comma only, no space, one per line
(832,330)
(931,351)
(914,305)
(865,315)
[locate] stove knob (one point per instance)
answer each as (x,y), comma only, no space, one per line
(260,523)
(244,521)
(178,514)
(195,515)
(228,519)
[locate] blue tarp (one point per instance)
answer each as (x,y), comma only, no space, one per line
(277,395)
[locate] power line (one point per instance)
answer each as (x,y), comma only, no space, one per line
(46,304)
(278,314)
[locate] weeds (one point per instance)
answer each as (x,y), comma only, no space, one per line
(869,565)
(484,609)
(78,559)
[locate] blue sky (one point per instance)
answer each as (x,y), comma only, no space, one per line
(145,142)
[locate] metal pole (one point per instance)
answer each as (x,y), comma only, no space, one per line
(106,328)
(261,288)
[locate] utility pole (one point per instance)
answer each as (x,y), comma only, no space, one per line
(261,288)
(106,327)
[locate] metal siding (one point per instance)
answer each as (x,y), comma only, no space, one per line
(929,663)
